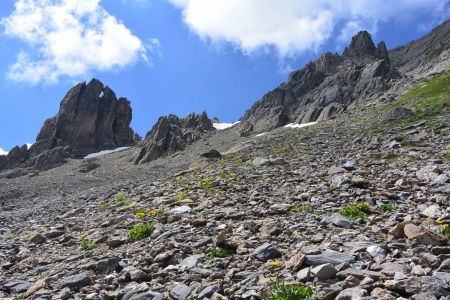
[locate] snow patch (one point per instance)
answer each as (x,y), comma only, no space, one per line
(222,126)
(261,134)
(105,152)
(292,125)
(29,145)
(3,152)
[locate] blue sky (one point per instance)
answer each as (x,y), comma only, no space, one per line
(177,56)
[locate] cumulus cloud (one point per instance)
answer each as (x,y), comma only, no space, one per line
(68,38)
(3,152)
(294,26)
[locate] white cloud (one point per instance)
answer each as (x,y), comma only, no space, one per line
(3,152)
(294,26)
(68,38)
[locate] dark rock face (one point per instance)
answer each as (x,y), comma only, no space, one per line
(90,119)
(324,88)
(171,134)
(427,55)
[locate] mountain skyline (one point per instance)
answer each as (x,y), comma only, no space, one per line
(179,62)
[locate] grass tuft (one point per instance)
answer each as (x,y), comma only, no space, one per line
(87,245)
(140,231)
(217,253)
(282,291)
(358,211)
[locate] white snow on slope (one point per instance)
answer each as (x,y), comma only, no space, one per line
(3,152)
(105,152)
(292,125)
(261,134)
(221,126)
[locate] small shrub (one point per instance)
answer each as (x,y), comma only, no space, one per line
(282,291)
(140,231)
(303,208)
(386,208)
(217,253)
(123,200)
(357,211)
(87,245)
(158,213)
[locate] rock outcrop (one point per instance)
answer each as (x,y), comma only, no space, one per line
(171,134)
(90,119)
(324,88)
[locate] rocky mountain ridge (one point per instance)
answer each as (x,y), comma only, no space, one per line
(325,88)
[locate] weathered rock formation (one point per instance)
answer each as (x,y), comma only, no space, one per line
(324,88)
(171,134)
(90,119)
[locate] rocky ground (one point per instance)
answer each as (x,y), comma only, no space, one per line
(356,208)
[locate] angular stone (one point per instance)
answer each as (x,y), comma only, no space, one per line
(432,211)
(37,238)
(191,261)
(180,291)
(337,220)
(424,236)
(266,252)
(328,256)
(352,294)
(15,287)
(295,262)
(324,272)
(75,282)
(416,285)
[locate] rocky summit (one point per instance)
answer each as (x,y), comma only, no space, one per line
(90,119)
(171,134)
(353,206)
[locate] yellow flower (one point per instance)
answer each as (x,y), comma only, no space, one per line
(439,222)
(274,263)
(445,226)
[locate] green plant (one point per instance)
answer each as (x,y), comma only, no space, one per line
(281,150)
(386,208)
(181,195)
(140,213)
(123,200)
(427,99)
(282,291)
(217,253)
(206,184)
(158,213)
(85,245)
(303,208)
(358,211)
(140,231)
